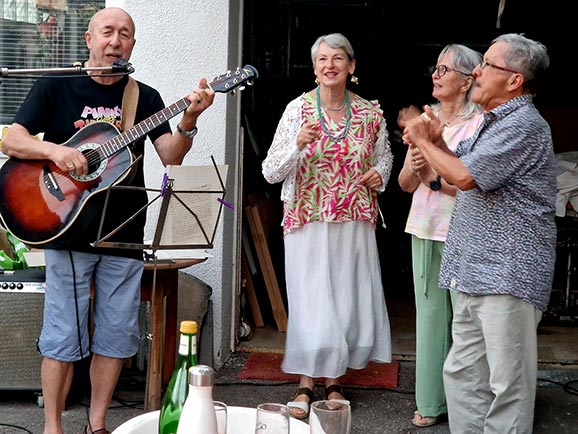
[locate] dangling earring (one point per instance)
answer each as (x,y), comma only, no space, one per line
(354,79)
(316,81)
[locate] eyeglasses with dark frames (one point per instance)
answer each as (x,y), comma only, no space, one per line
(484,65)
(441,70)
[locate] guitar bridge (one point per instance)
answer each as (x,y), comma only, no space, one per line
(51,184)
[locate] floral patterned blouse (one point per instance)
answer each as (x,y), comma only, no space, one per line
(321,182)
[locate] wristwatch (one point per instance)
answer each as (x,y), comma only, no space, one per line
(189,134)
(436,184)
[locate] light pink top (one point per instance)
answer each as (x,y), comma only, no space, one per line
(430,211)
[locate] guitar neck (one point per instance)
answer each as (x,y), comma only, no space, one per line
(227,82)
(141,129)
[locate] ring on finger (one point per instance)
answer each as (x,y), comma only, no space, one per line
(70,165)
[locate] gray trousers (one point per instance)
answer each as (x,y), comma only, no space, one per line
(490,372)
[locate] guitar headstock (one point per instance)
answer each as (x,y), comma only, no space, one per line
(232,80)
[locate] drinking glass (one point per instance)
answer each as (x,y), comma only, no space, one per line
(221,412)
(272,419)
(329,417)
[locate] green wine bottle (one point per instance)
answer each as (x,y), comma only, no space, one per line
(178,387)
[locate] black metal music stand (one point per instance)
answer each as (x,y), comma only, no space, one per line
(176,201)
(183,197)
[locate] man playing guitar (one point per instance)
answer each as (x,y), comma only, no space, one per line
(58,108)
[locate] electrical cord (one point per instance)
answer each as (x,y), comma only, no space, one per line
(565,386)
(76,304)
(79,341)
(77,328)
(284,383)
(138,404)
(118,74)
(123,403)
(16,426)
(88,424)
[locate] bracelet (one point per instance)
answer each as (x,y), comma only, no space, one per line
(189,134)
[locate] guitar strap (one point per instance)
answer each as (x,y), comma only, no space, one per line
(129,102)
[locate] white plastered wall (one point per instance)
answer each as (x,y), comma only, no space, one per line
(177,43)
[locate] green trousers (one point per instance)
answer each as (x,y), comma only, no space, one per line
(433,326)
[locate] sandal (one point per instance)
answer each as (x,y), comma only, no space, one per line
(335,388)
(302,407)
(87,430)
(423,421)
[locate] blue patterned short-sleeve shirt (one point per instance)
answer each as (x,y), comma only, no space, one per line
(502,236)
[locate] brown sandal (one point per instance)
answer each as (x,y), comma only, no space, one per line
(87,430)
(335,388)
(302,407)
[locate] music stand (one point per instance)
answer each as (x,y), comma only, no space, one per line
(197,191)
(192,198)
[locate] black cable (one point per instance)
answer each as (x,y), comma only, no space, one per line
(565,386)
(569,389)
(78,329)
(68,75)
(284,383)
(79,339)
(76,304)
(16,426)
(137,404)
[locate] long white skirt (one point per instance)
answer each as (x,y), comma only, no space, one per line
(337,314)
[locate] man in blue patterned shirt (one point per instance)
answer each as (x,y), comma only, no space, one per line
(500,249)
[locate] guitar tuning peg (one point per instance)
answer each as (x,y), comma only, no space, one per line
(234,91)
(241,87)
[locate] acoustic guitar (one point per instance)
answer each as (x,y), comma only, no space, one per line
(39,203)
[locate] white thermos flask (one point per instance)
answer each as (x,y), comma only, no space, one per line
(198,415)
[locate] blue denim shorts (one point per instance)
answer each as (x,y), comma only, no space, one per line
(117,280)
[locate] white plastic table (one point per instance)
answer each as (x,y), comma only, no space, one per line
(240,420)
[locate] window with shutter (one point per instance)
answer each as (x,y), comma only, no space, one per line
(38,34)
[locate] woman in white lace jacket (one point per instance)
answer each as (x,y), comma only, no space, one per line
(332,153)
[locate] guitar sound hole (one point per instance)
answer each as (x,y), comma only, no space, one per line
(96,164)
(93,167)
(93,160)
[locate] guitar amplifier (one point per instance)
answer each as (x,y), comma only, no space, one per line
(21,313)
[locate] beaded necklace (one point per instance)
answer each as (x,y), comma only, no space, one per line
(338,109)
(347,117)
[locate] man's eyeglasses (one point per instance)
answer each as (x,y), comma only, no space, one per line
(485,64)
(441,70)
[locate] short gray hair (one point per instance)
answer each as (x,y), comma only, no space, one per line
(464,59)
(530,58)
(334,40)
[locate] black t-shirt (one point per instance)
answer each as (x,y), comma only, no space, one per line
(60,107)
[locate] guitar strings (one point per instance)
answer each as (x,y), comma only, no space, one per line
(246,74)
(94,156)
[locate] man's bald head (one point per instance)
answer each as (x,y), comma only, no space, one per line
(109,13)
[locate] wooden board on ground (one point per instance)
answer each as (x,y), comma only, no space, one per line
(250,293)
(258,217)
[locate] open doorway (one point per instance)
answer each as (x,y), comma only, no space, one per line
(394,47)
